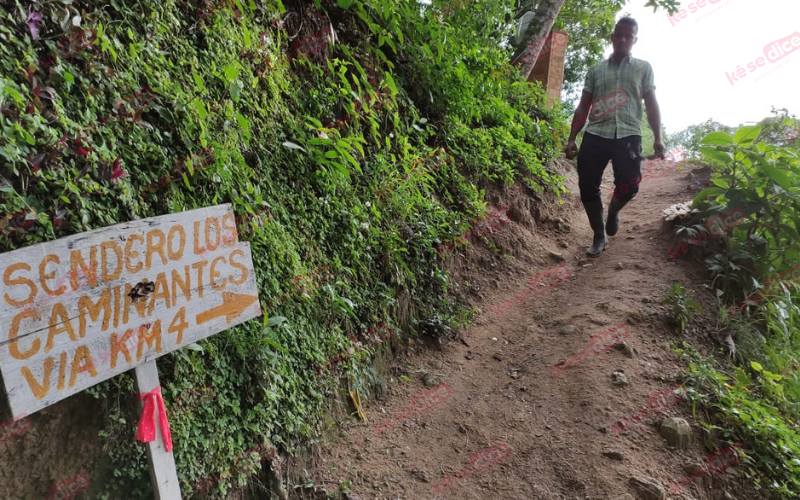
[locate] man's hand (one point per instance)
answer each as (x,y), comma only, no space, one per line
(578,120)
(571,150)
(658,148)
(654,120)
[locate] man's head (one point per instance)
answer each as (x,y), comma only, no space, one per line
(624,36)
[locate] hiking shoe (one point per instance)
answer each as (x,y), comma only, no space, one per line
(594,210)
(612,224)
(598,245)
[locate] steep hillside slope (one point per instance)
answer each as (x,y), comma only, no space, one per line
(557,428)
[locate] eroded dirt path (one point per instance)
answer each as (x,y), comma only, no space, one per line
(503,389)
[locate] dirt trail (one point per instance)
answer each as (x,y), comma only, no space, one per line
(503,389)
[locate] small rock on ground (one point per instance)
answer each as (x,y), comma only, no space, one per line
(676,431)
(626,349)
(647,488)
(693,468)
(614,455)
(421,475)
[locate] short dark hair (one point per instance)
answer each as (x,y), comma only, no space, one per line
(628,20)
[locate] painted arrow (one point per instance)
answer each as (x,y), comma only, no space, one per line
(233,304)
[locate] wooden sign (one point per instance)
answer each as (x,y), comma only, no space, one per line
(165,282)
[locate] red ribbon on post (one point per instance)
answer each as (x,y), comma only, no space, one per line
(147,424)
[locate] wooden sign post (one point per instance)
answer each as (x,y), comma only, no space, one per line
(164,282)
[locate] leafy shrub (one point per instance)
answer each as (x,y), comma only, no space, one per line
(215,85)
(760,179)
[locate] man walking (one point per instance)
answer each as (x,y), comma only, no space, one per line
(614,90)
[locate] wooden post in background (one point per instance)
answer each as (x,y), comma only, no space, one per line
(549,68)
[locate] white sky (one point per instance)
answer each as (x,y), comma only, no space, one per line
(690,60)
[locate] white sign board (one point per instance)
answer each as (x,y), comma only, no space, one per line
(165,282)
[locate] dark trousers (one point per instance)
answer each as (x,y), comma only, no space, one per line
(593,156)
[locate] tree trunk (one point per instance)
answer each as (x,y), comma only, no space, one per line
(535,36)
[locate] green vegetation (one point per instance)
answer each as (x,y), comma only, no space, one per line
(294,137)
(217,85)
(681,307)
(754,268)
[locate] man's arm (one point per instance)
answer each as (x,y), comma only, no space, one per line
(654,119)
(578,121)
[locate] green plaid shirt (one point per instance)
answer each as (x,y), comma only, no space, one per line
(635,78)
